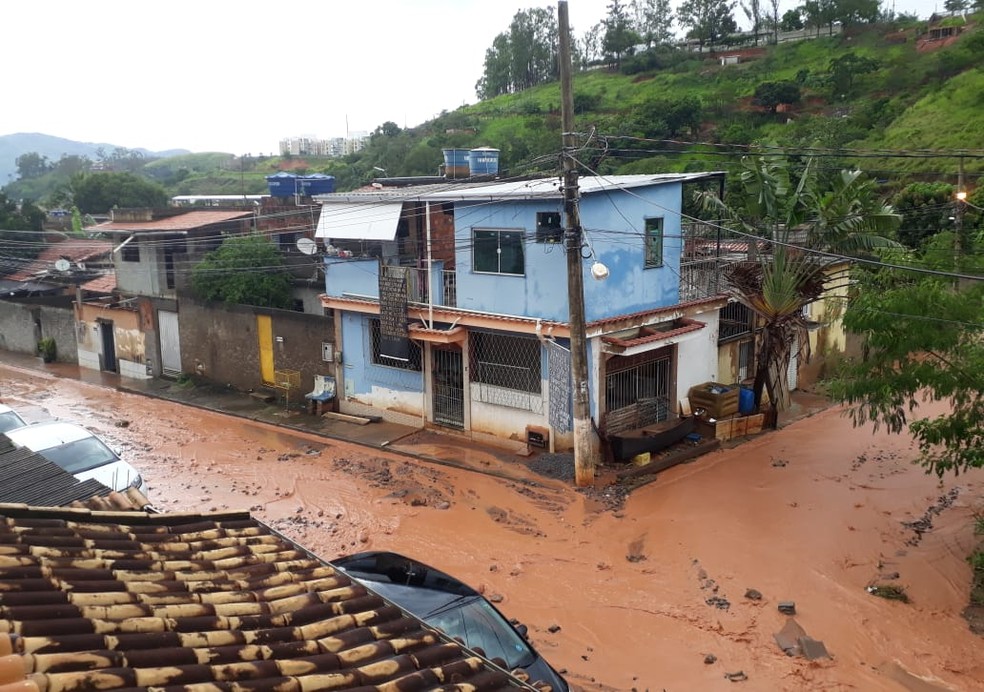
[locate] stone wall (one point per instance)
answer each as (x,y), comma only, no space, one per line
(22,323)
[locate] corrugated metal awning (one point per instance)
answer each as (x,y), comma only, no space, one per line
(365,221)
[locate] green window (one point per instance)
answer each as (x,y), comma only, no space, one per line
(654,242)
(498,252)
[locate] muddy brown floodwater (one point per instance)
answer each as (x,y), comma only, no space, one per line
(812,514)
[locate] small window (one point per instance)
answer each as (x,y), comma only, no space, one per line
(412,363)
(548,227)
(498,252)
(130,253)
(654,242)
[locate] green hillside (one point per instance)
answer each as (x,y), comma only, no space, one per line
(883,97)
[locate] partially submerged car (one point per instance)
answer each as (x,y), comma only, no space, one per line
(9,420)
(451,606)
(79,452)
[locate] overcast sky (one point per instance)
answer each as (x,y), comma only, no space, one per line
(240,75)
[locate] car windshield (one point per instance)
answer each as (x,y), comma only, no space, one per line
(10,420)
(81,455)
(481,626)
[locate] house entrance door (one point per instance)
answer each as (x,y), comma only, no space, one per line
(170,342)
(264,333)
(448,380)
(108,345)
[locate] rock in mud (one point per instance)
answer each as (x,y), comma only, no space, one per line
(709,659)
(753,595)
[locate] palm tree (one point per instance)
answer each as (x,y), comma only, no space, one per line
(842,215)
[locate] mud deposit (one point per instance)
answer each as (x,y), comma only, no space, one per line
(675,587)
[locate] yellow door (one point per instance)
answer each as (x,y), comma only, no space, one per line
(264,332)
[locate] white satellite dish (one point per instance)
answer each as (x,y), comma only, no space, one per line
(62,265)
(307,246)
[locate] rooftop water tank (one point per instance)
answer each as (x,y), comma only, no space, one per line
(456,163)
(317,184)
(483,161)
(282,184)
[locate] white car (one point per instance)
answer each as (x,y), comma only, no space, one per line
(78,452)
(9,419)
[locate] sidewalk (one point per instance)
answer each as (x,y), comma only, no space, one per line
(436,446)
(445,448)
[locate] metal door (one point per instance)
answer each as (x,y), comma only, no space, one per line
(170,342)
(448,379)
(108,346)
(264,334)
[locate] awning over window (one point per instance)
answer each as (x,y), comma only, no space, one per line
(363,221)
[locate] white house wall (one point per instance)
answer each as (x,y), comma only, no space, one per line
(697,356)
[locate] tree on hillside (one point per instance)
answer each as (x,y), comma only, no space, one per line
(619,35)
(32,165)
(774,19)
(791,20)
(653,21)
(708,20)
(956,6)
(97,193)
(820,13)
(851,12)
(845,69)
(926,209)
(921,340)
(244,270)
(522,57)
(754,13)
(590,44)
(20,228)
(773,94)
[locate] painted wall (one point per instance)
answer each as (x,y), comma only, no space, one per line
(386,389)
(355,277)
(129,339)
(142,277)
(22,323)
(697,355)
(219,342)
(613,224)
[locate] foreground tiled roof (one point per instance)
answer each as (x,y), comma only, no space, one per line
(28,478)
(201,603)
(101,284)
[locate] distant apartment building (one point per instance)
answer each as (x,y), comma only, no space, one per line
(336,147)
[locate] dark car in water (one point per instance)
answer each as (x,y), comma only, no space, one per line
(451,606)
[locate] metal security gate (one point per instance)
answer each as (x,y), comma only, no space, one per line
(632,379)
(448,381)
(170,342)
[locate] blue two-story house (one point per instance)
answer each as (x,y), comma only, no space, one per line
(481,299)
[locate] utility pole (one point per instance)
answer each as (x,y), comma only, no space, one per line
(584,449)
(959,212)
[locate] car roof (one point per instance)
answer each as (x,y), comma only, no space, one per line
(383,566)
(4,408)
(47,435)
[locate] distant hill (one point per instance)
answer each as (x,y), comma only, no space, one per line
(12,146)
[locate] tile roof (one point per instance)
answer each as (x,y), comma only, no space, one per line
(101,284)
(202,603)
(179,222)
(29,478)
(73,249)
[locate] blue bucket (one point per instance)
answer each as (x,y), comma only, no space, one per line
(746,401)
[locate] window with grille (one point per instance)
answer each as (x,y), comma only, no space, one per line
(645,378)
(498,252)
(746,359)
(413,361)
(654,242)
(507,369)
(736,321)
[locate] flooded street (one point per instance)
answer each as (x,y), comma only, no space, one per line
(635,597)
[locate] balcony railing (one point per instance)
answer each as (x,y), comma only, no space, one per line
(417,284)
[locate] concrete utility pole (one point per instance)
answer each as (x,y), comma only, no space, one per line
(584,450)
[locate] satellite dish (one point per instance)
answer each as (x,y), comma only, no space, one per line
(307,246)
(62,265)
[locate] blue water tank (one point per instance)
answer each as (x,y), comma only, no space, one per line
(746,401)
(483,161)
(456,163)
(317,184)
(282,184)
